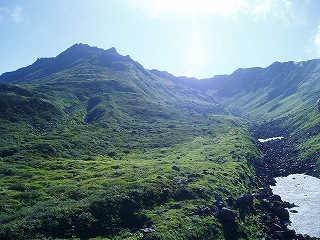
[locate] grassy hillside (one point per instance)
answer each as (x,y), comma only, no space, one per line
(277,91)
(109,194)
(94,146)
(279,100)
(306,132)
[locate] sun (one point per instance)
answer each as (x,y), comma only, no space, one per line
(190,73)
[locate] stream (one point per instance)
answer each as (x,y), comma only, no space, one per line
(304,191)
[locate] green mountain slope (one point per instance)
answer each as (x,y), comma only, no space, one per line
(265,93)
(94,145)
(284,95)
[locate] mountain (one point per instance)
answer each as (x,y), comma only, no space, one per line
(69,61)
(95,146)
(276,91)
(282,98)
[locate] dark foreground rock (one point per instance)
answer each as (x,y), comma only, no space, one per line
(276,217)
(278,160)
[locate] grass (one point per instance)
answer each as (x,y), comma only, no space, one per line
(104,148)
(210,158)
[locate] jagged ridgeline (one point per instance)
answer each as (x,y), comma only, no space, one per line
(94,146)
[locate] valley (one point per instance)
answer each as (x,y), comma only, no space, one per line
(95,146)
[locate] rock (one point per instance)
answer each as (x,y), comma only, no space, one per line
(219,204)
(218,197)
(268,238)
(199,192)
(265,192)
(285,234)
(227,216)
(175,168)
(272,182)
(219,201)
(165,191)
(275,226)
(260,236)
(203,211)
(231,201)
(244,201)
(265,218)
(265,203)
(287,204)
(207,210)
(230,229)
(193,175)
(282,213)
(147,230)
(293,211)
(276,197)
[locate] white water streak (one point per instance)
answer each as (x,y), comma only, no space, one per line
(270,139)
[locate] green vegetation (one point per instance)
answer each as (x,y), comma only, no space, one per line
(60,192)
(104,178)
(104,148)
(93,146)
(263,94)
(281,98)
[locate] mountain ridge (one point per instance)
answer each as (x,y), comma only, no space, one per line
(65,60)
(78,49)
(95,146)
(252,92)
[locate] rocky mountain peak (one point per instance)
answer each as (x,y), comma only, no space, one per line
(73,56)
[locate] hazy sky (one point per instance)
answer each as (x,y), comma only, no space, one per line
(198,38)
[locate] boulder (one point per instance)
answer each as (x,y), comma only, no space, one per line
(276,197)
(231,201)
(218,197)
(285,234)
(244,201)
(282,213)
(219,201)
(227,216)
(175,168)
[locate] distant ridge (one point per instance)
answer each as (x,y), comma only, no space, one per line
(68,59)
(253,92)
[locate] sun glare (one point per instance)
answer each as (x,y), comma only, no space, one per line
(225,8)
(190,73)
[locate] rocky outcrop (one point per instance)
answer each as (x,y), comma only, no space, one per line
(278,159)
(276,216)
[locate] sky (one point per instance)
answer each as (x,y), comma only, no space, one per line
(195,38)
